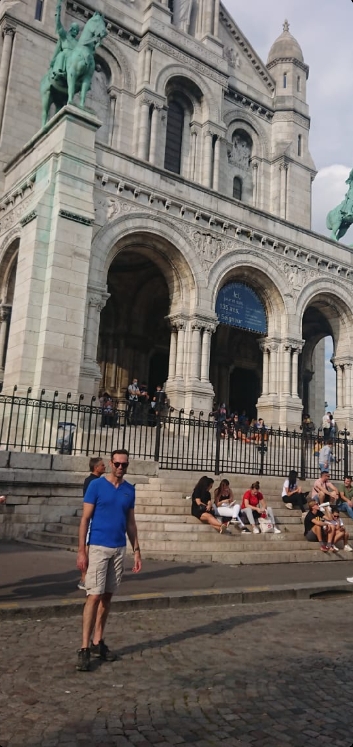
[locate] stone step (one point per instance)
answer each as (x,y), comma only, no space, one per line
(310,554)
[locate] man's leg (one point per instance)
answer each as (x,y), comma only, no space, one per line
(102,613)
(347,509)
(89,618)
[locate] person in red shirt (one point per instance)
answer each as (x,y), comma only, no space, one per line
(254,505)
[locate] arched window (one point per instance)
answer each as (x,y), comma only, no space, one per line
(175,124)
(299,83)
(38,15)
(237,188)
(284,80)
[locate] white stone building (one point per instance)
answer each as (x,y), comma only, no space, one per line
(121,231)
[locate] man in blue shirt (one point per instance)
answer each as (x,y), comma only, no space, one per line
(109,504)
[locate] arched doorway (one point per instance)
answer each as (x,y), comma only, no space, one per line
(236,358)
(134,330)
(316,327)
(8,270)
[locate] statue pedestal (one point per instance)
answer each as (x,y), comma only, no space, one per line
(47,326)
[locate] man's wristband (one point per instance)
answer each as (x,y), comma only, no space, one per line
(137,549)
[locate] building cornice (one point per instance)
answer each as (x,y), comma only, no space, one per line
(248,51)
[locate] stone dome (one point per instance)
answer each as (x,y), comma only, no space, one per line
(285,46)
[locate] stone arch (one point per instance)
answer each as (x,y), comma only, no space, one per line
(210,108)
(121,68)
(165,245)
(334,300)
(8,261)
(266,281)
(236,119)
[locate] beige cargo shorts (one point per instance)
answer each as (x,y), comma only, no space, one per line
(105,569)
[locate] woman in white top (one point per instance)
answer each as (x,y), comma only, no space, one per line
(292,495)
(225,505)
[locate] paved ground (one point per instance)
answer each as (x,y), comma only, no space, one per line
(266,675)
(28,573)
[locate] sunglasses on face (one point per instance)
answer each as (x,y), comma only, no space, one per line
(123,465)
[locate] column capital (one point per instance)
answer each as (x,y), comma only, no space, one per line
(97,299)
(177,322)
(8,29)
(342,361)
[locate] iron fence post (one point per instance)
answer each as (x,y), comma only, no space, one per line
(345,452)
(262,450)
(218,451)
(303,455)
(157,445)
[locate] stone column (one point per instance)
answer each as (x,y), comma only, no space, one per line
(205,353)
(295,356)
(287,383)
(255,177)
(172,353)
(265,367)
(112,106)
(193,134)
(179,366)
(154,133)
(195,350)
(8,37)
(217,154)
(339,385)
(5,317)
(216,18)
(96,302)
(348,385)
(143,145)
(273,367)
(207,160)
(147,65)
(283,192)
(209,16)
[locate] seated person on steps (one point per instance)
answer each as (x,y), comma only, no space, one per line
(345,497)
(201,504)
(316,527)
(340,535)
(254,505)
(292,495)
(225,505)
(324,490)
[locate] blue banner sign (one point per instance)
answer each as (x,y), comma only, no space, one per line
(239,306)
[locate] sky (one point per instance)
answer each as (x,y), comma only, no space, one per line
(324,30)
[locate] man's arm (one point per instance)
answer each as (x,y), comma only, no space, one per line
(131,531)
(87,513)
(59,29)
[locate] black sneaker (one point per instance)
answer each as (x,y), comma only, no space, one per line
(84,657)
(101,651)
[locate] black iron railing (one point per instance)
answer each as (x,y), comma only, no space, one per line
(176,440)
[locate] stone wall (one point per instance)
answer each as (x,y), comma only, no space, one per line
(40,488)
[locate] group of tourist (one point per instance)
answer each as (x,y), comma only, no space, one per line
(238,427)
(321,516)
(252,509)
(141,407)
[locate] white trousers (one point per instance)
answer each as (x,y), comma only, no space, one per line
(229,512)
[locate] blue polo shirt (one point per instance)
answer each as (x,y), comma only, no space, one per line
(112,506)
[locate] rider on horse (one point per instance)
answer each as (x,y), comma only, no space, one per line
(66,43)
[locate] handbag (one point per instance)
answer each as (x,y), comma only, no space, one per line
(265,524)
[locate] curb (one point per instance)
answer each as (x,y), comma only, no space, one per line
(179,600)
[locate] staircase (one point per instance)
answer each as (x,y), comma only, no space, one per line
(167,531)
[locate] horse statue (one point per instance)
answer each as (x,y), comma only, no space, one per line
(341,218)
(73,64)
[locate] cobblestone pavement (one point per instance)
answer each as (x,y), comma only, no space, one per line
(266,675)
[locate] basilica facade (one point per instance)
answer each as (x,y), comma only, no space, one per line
(164,232)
